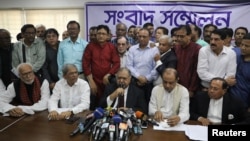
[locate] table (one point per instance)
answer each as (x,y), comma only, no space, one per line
(38,128)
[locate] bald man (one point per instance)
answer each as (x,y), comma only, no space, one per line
(169,100)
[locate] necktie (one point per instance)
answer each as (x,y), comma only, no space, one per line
(121,101)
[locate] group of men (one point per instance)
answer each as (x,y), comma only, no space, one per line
(178,83)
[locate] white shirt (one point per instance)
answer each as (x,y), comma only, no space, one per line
(123,59)
(41,105)
(74,98)
(210,65)
(215,110)
(109,101)
(167,102)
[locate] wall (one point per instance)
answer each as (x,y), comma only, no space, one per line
(38,4)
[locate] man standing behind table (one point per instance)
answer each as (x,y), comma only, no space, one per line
(216,60)
(187,55)
(242,88)
(30,49)
(140,62)
(71,49)
(166,59)
(122,45)
(71,95)
(100,62)
(170,100)
(26,95)
(6,48)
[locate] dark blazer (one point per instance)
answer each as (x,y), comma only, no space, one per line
(135,97)
(169,60)
(233,111)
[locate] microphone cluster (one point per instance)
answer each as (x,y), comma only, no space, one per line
(112,124)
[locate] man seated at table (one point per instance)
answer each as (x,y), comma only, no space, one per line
(123,94)
(26,95)
(70,93)
(169,100)
(216,106)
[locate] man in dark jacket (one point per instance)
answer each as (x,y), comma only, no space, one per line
(123,94)
(216,106)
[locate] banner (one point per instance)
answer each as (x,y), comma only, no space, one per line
(167,14)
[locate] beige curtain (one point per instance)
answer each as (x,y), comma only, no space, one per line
(13,20)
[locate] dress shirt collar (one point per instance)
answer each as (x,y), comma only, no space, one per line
(77,40)
(66,84)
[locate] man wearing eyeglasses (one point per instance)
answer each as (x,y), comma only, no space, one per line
(122,45)
(187,59)
(30,49)
(27,95)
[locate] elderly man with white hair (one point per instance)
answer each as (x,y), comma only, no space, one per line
(26,95)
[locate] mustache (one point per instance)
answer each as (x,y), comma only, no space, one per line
(212,44)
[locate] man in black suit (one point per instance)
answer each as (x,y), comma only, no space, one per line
(130,95)
(216,106)
(166,58)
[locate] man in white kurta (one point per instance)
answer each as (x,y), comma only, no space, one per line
(72,92)
(28,94)
(170,100)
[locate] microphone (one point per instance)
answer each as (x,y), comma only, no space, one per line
(111,130)
(79,128)
(97,132)
(98,113)
(139,129)
(139,114)
(117,119)
(123,126)
(103,128)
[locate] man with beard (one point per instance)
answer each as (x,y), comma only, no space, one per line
(216,61)
(28,94)
(30,49)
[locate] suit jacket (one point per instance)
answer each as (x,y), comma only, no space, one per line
(169,60)
(233,111)
(135,97)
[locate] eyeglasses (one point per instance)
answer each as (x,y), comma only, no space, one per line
(27,74)
(121,44)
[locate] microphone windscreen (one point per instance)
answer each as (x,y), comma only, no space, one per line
(117,119)
(139,114)
(99,112)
